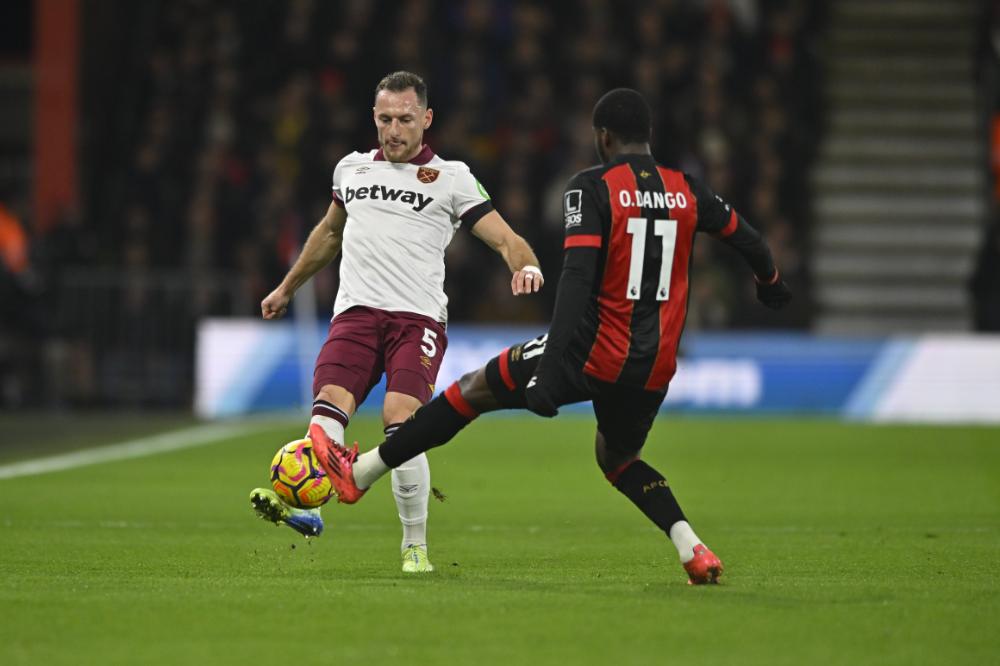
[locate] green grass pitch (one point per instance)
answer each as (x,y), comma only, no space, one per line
(843,544)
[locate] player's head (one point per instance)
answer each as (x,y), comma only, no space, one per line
(401,115)
(621,118)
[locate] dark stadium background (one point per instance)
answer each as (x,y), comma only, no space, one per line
(206,134)
(164,159)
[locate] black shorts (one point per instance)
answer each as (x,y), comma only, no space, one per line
(624,413)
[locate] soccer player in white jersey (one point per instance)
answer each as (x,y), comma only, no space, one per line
(394,211)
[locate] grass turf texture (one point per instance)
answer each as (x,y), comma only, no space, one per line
(843,544)
(25,435)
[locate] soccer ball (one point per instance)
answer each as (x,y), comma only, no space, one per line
(297,476)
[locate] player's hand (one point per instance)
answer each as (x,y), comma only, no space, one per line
(538,399)
(773,293)
(275,305)
(528,280)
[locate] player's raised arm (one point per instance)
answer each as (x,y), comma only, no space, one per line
(722,221)
(322,246)
(493,230)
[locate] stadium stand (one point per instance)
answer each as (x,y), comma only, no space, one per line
(213,128)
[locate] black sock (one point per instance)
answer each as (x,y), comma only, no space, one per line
(649,491)
(432,425)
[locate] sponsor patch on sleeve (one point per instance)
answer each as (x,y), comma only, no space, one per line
(572,208)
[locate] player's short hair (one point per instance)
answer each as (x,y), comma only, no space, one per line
(624,113)
(402,80)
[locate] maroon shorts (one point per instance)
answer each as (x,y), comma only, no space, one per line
(364,342)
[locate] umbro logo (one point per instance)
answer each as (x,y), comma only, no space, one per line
(408,488)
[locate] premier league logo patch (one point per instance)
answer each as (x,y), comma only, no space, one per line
(427,175)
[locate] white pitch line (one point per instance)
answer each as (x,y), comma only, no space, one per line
(135,448)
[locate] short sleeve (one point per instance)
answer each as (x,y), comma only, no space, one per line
(715,216)
(338,197)
(582,213)
(470,201)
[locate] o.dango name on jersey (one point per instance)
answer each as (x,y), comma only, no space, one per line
(652,199)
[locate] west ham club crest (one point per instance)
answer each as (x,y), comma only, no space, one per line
(427,175)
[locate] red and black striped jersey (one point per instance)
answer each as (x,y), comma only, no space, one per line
(641,218)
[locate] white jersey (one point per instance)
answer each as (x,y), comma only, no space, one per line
(400,219)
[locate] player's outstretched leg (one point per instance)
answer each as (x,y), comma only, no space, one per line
(649,491)
(268,505)
(329,420)
(338,463)
(432,425)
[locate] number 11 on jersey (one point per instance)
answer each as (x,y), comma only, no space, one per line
(667,231)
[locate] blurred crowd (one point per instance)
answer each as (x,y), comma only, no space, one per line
(238,111)
(250,105)
(984,283)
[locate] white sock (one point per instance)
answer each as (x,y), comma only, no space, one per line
(369,468)
(684,540)
(333,428)
(411,486)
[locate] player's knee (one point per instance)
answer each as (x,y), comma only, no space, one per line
(476,390)
(467,382)
(611,458)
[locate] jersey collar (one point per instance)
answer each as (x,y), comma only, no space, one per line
(423,157)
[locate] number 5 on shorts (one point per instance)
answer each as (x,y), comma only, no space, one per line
(430,348)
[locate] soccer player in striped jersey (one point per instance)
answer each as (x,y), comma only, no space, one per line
(394,212)
(620,309)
